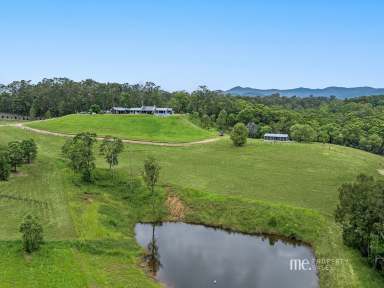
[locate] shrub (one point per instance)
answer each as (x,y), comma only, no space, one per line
(94,109)
(32,234)
(239,134)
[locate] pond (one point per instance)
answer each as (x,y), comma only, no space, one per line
(184,256)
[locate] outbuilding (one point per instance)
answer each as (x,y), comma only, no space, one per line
(276,137)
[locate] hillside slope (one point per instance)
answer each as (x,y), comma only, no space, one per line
(173,129)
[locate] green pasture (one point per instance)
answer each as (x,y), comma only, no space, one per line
(286,189)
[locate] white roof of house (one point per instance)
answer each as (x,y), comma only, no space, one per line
(119,108)
(276,135)
(143,108)
(148,108)
(163,109)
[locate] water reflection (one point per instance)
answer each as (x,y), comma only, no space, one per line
(153,256)
(197,256)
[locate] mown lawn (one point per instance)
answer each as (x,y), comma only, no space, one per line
(257,188)
(81,249)
(173,129)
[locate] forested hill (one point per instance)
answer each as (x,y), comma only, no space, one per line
(357,122)
(338,92)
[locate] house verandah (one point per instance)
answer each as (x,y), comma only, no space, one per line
(150,110)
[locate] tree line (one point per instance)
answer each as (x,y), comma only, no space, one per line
(360,214)
(357,122)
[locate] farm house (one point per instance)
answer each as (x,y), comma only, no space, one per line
(151,110)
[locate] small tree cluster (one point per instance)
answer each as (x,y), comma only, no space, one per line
(16,153)
(79,151)
(32,234)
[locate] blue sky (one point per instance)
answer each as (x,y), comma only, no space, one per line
(183,44)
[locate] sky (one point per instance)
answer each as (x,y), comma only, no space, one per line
(180,45)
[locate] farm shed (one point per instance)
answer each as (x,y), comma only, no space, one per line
(276,137)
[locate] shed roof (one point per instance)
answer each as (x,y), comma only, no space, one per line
(276,135)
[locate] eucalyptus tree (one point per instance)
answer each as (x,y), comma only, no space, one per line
(110,148)
(79,151)
(29,148)
(15,154)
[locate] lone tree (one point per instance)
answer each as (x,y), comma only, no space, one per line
(29,150)
(32,234)
(360,213)
(15,154)
(151,176)
(5,167)
(110,148)
(79,151)
(239,134)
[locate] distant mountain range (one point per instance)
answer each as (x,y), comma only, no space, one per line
(339,92)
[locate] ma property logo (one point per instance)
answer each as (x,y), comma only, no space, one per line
(302,264)
(305,264)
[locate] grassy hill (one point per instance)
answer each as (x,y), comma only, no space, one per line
(302,175)
(173,129)
(89,228)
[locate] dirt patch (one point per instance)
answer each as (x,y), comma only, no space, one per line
(27,257)
(381,171)
(87,198)
(176,208)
